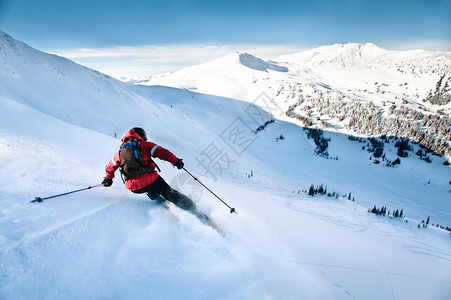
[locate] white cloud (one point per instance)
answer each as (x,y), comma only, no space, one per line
(134,62)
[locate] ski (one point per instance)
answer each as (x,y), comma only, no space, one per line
(198,214)
(207,221)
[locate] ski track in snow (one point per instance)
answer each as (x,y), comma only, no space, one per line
(429,252)
(57,227)
(374,271)
(389,279)
(110,224)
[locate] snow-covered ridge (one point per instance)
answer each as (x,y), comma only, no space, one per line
(345,55)
(371,56)
(255,63)
(63,89)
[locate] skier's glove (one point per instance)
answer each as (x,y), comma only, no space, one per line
(179,164)
(107,182)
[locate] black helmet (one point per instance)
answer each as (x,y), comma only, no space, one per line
(141,132)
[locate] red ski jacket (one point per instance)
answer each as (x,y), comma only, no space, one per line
(148,149)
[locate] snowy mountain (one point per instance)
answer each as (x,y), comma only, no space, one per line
(303,229)
(60,88)
(354,88)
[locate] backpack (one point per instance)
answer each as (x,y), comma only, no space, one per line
(132,161)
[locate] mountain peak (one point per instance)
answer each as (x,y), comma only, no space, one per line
(240,60)
(350,54)
(258,64)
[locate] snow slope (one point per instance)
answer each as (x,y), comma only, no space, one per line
(72,89)
(110,243)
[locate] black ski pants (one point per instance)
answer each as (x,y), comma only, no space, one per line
(160,187)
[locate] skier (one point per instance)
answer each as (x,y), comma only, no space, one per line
(146,179)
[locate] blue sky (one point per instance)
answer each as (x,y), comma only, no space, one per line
(63,26)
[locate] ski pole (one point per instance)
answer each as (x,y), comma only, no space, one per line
(39,199)
(232,210)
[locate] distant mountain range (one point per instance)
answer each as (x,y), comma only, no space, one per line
(359,89)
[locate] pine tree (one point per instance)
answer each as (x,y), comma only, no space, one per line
(320,189)
(374,210)
(311,190)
